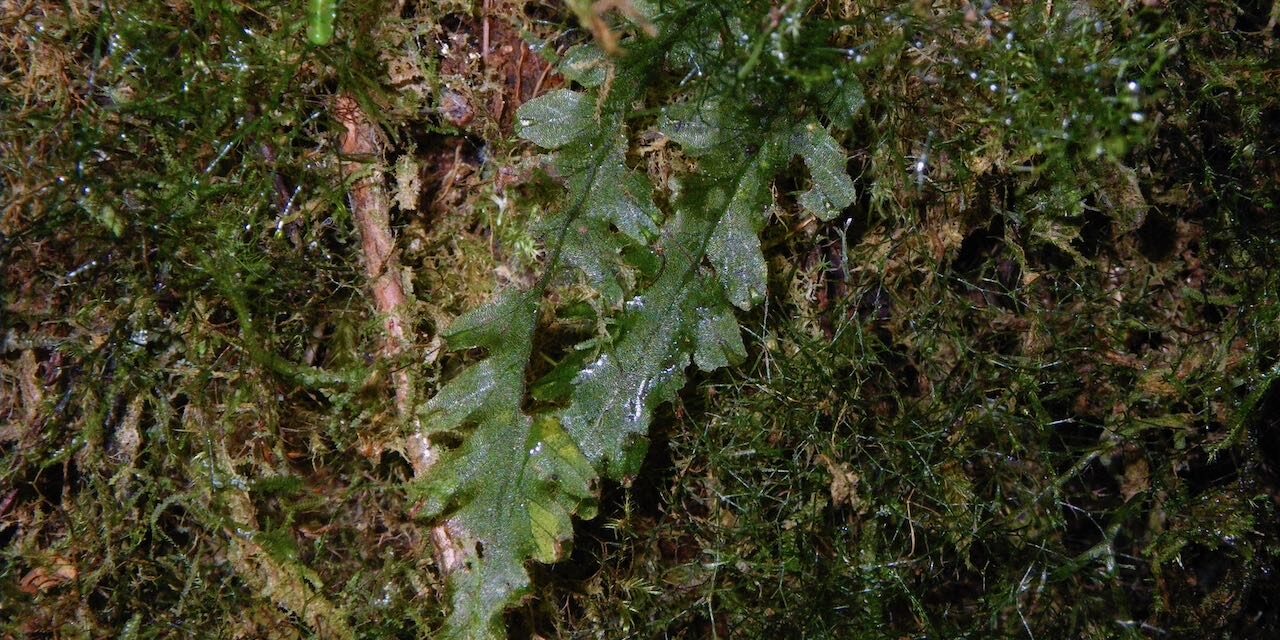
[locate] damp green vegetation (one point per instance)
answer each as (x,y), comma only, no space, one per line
(829,319)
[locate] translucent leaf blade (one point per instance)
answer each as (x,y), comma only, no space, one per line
(556,119)
(719,340)
(832,189)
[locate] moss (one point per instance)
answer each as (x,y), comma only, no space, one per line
(1024,383)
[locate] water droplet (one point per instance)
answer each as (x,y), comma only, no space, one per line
(384,601)
(1138,117)
(537,449)
(78,271)
(993,87)
(592,370)
(525,122)
(1133,86)
(973,75)
(859,59)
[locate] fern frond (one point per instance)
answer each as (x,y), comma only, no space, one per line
(512,486)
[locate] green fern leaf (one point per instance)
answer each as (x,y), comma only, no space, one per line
(843,99)
(684,314)
(586,65)
(604,194)
(508,493)
(696,125)
(557,118)
(719,341)
(734,245)
(733,248)
(615,395)
(832,189)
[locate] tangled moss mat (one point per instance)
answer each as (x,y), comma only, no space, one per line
(1017,380)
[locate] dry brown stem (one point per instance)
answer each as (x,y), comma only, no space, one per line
(371,209)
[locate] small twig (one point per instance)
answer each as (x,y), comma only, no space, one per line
(370,207)
(484,35)
(912,526)
(7,503)
(537,86)
(451,177)
(520,77)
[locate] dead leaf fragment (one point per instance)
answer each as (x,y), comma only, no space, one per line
(844,483)
(29,372)
(408,183)
(1137,479)
(456,109)
(42,579)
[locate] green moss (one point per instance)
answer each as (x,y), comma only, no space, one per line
(1020,377)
